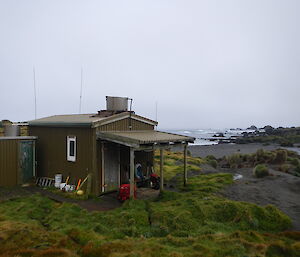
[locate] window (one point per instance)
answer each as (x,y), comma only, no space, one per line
(71,148)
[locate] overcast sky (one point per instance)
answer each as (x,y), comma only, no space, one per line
(208,64)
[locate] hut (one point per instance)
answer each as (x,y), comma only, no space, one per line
(106,144)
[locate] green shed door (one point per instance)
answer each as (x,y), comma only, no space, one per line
(27,160)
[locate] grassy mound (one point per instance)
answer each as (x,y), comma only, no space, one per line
(212,161)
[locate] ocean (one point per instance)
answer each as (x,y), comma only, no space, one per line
(210,136)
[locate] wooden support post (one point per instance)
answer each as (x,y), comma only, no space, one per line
(161,169)
(185,165)
(119,166)
(132,186)
(102,169)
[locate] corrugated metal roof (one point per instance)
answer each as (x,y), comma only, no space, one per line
(72,119)
(84,120)
(143,137)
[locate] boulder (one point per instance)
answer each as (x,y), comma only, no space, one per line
(252,127)
(268,129)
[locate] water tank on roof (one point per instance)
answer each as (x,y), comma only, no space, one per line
(114,103)
(11,130)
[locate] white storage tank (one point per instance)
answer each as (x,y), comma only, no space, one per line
(12,130)
(114,103)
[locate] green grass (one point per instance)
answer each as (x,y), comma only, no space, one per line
(195,221)
(173,164)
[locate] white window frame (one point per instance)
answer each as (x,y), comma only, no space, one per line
(69,140)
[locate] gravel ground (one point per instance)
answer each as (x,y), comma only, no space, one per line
(227,149)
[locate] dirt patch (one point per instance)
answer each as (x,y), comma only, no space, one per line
(102,203)
(147,193)
(280,189)
(8,193)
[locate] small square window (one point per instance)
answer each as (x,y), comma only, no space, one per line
(71,148)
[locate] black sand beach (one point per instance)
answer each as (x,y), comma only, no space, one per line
(228,149)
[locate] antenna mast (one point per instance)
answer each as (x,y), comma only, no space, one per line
(80,91)
(156,103)
(130,112)
(34,88)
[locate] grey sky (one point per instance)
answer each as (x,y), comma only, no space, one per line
(208,64)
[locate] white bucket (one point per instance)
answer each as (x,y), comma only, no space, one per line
(58,180)
(69,188)
(72,188)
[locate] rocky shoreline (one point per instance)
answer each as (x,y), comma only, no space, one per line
(287,137)
(221,150)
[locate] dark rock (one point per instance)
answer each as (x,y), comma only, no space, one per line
(219,135)
(268,129)
(252,127)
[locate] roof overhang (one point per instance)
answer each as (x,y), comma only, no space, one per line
(144,139)
(19,138)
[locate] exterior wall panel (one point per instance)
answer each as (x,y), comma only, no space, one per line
(122,125)
(9,162)
(52,152)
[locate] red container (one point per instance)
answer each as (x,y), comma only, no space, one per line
(124,192)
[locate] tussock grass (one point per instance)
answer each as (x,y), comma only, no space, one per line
(280,159)
(173,164)
(260,171)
